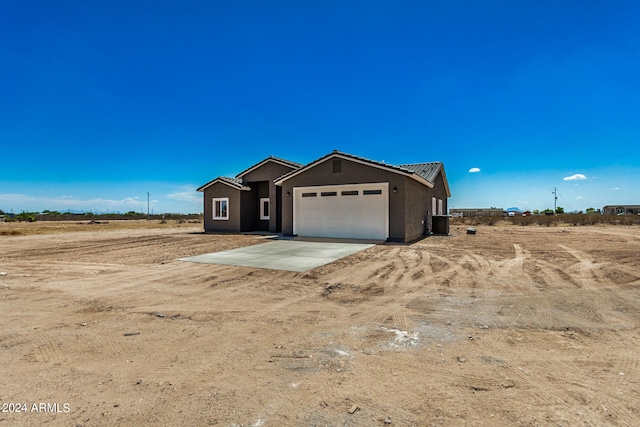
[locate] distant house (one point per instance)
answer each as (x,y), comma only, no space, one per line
(472,212)
(338,195)
(621,209)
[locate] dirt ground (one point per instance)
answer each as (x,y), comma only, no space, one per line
(530,326)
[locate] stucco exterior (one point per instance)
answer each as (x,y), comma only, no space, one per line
(264,176)
(409,200)
(245,192)
(220,190)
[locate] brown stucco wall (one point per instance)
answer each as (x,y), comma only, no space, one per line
(268,172)
(440,192)
(222,190)
(418,204)
(352,173)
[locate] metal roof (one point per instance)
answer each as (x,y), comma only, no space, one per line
(424,172)
(428,171)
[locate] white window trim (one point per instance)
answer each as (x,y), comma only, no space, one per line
(262,201)
(220,199)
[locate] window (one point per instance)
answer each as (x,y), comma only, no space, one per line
(264,208)
(440,210)
(433,206)
(349,193)
(337,166)
(309,194)
(221,208)
(370,192)
(329,193)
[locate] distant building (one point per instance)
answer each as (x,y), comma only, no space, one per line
(621,209)
(467,212)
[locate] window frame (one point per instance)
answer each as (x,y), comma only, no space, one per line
(264,200)
(224,200)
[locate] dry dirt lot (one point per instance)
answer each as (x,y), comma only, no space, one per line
(529,326)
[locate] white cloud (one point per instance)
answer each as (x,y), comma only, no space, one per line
(474,170)
(190,196)
(576,177)
(579,198)
(614,189)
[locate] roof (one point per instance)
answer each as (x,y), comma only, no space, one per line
(284,162)
(624,206)
(428,171)
(238,182)
(425,173)
(231,182)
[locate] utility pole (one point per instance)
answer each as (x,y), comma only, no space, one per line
(555,199)
(147,206)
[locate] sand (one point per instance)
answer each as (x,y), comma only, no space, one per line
(527,326)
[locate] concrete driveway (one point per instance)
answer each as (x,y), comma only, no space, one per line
(286,255)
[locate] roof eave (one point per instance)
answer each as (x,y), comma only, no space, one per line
(222,181)
(268,159)
(390,168)
(444,179)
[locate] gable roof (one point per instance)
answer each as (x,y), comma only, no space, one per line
(231,182)
(283,162)
(238,182)
(424,173)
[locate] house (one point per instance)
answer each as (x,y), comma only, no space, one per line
(250,201)
(338,195)
(621,209)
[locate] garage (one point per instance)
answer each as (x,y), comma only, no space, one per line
(356,211)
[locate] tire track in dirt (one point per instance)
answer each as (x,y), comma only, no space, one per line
(579,385)
(44,348)
(101,342)
(150,414)
(586,270)
(571,386)
(390,307)
(510,277)
(539,391)
(403,392)
(93,247)
(587,273)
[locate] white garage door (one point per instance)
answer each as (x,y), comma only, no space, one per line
(343,211)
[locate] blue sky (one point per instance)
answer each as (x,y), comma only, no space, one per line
(104,101)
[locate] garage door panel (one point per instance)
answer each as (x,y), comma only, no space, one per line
(363,215)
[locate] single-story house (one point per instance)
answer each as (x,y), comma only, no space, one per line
(621,209)
(338,195)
